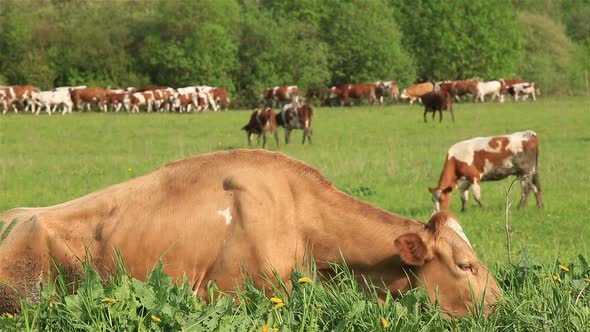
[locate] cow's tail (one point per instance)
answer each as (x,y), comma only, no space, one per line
(536,180)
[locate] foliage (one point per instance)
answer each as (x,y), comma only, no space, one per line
(461,39)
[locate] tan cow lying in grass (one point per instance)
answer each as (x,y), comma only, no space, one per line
(211,215)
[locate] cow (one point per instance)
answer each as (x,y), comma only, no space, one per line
(24,94)
(6,99)
(507,85)
(472,161)
(118,99)
(294,116)
(438,101)
(220,96)
(358,91)
(335,95)
(524,89)
(138,99)
(465,87)
(386,89)
(185,102)
(262,121)
(487,88)
(416,91)
(50,100)
(279,95)
(83,98)
(209,218)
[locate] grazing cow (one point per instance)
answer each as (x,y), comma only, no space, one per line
(488,159)
(278,95)
(118,99)
(6,99)
(52,99)
(185,102)
(465,87)
(141,99)
(386,89)
(335,96)
(211,217)
(438,101)
(262,121)
(487,88)
(220,96)
(358,91)
(524,89)
(416,91)
(294,116)
(83,98)
(24,94)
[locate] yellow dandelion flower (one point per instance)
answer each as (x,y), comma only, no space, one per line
(279,305)
(303,280)
(108,300)
(276,300)
(156,319)
(567,291)
(564,268)
(384,322)
(265,328)
(556,278)
(276,329)
(9,315)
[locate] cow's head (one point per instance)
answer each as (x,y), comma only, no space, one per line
(444,263)
(441,197)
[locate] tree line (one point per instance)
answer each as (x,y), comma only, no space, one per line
(248,45)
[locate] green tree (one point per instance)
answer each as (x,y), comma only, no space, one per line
(461,39)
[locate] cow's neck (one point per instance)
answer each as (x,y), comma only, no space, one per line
(363,236)
(448,177)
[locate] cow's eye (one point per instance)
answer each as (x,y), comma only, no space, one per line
(466,267)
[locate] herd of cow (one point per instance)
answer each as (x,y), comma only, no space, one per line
(149,98)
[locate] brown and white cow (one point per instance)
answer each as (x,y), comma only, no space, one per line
(416,91)
(294,116)
(83,98)
(386,89)
(118,99)
(279,95)
(262,121)
(438,101)
(358,91)
(524,90)
(480,159)
(465,87)
(213,216)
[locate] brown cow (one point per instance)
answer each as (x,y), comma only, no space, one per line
(213,216)
(22,94)
(262,121)
(465,87)
(294,116)
(416,91)
(279,95)
(118,99)
(488,159)
(83,98)
(358,91)
(438,101)
(220,96)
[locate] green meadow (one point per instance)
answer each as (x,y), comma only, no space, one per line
(384,155)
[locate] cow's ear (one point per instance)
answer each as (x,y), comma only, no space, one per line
(447,190)
(432,190)
(412,250)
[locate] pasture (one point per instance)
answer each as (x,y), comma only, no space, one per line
(386,156)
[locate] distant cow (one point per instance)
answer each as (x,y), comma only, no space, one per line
(118,99)
(524,89)
(83,98)
(279,95)
(416,91)
(262,121)
(465,87)
(296,117)
(220,96)
(489,88)
(358,91)
(437,101)
(50,100)
(488,159)
(386,89)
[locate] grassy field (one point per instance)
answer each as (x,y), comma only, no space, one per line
(386,156)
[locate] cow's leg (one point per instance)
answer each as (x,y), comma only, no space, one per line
(439,115)
(249,136)
(525,182)
(463,185)
(425,111)
(263,139)
(276,135)
(537,189)
(287,134)
(452,114)
(476,188)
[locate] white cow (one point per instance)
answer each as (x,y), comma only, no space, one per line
(50,100)
(487,88)
(524,89)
